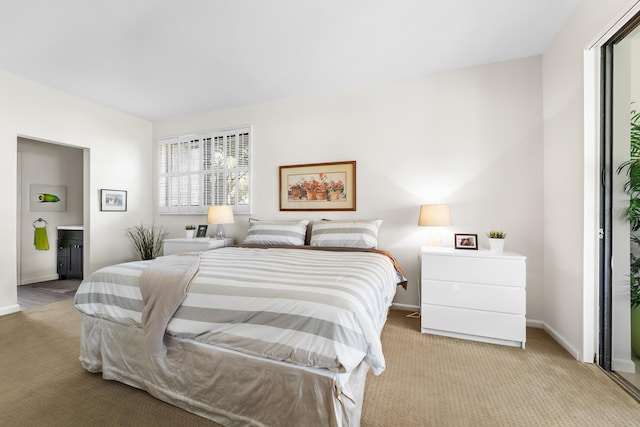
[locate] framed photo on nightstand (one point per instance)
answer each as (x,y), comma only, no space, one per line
(466,241)
(202,231)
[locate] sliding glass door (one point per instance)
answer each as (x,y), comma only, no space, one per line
(621,101)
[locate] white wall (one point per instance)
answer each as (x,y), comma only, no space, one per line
(470,138)
(119,157)
(564,180)
(49,164)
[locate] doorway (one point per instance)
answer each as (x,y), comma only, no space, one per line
(620,103)
(43,164)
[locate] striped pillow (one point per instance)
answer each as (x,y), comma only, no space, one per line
(276,232)
(355,234)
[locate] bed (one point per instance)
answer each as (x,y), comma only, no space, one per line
(264,335)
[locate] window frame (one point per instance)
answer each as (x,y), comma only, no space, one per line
(176,170)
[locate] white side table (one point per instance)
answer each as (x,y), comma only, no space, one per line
(476,295)
(174,246)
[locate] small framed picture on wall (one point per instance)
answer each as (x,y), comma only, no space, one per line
(113,200)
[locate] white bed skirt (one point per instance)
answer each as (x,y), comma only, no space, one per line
(225,386)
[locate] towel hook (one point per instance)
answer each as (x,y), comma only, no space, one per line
(39,220)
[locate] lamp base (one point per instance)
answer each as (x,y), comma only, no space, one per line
(435,239)
(219,232)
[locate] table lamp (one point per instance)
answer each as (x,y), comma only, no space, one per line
(435,216)
(220,215)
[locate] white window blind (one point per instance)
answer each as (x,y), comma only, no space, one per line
(208,168)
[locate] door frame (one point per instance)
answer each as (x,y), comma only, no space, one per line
(86,198)
(597,206)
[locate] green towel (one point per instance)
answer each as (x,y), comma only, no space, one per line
(40,239)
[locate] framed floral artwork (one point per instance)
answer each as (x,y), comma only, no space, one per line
(318,187)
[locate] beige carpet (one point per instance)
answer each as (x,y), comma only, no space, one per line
(429,381)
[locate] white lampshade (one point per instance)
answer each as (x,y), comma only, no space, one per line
(434,215)
(220,215)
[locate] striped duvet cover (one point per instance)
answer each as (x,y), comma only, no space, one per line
(322,309)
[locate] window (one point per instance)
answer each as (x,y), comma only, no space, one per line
(203,169)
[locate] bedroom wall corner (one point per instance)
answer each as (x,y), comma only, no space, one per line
(471,138)
(565,262)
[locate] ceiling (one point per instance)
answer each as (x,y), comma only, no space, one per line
(160,59)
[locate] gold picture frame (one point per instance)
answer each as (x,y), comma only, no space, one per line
(318,187)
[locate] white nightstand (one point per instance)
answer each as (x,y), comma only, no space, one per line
(475,295)
(174,246)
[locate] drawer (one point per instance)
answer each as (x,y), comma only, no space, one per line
(494,270)
(474,322)
(191,245)
(170,248)
(504,299)
(70,234)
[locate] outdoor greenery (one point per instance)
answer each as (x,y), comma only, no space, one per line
(632,188)
(147,240)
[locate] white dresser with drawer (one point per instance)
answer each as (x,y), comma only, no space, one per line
(476,295)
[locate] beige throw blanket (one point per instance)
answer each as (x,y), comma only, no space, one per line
(163,287)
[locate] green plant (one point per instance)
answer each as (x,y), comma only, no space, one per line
(147,240)
(634,277)
(632,166)
(632,188)
(189,227)
(496,234)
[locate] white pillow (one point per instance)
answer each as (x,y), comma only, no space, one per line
(276,232)
(352,234)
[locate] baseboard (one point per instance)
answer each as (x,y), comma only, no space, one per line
(564,343)
(624,365)
(405,307)
(9,309)
(39,279)
(530,323)
(535,324)
(556,337)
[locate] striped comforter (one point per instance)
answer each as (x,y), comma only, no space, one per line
(317,308)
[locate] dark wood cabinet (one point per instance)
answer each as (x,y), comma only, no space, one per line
(70,255)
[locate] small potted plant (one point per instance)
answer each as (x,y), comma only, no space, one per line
(496,241)
(190,230)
